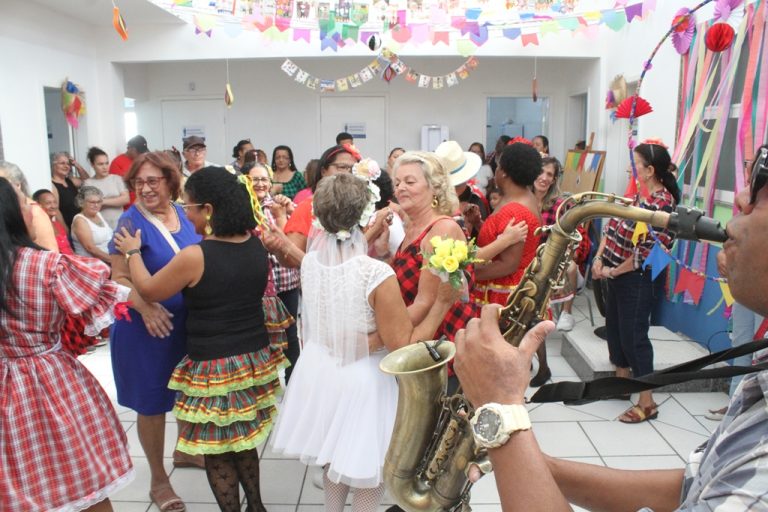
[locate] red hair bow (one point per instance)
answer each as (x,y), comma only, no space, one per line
(352,150)
(521,140)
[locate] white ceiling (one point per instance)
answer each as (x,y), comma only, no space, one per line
(99,12)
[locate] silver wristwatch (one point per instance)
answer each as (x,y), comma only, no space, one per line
(493,424)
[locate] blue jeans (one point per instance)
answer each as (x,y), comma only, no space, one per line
(745,324)
(628,304)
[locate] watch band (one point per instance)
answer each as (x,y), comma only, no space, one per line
(131,253)
(511,417)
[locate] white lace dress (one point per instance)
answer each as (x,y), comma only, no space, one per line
(339,408)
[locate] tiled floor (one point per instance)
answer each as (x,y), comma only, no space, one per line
(587,433)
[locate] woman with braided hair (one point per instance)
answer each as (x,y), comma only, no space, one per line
(228,383)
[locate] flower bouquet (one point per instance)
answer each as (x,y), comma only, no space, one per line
(449,259)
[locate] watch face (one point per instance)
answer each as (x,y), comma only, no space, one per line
(488,424)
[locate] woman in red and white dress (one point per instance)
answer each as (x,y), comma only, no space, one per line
(61,444)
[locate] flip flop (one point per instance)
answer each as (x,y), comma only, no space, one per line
(166,500)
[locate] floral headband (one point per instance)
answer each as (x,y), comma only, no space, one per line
(367,170)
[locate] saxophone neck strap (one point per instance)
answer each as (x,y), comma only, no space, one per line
(575,393)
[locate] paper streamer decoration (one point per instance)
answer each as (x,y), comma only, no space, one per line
(387,66)
(689,282)
(119,23)
(72,102)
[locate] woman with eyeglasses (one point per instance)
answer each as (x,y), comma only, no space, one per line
(90,232)
(287,179)
(631,291)
(285,281)
(146,349)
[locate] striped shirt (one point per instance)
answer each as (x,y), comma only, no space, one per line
(730,470)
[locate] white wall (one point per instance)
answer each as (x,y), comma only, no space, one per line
(271,109)
(40,50)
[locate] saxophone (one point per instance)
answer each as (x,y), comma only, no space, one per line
(432,447)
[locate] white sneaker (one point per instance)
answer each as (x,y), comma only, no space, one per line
(565,322)
(317,477)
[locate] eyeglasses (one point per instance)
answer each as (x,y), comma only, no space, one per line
(190,205)
(152,182)
(759,175)
(94,202)
(196,150)
(261,180)
(342,167)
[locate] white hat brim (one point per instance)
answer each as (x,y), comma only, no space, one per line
(467,171)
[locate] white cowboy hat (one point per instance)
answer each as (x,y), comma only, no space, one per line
(461,165)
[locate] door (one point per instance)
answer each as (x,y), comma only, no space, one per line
(365,117)
(205,118)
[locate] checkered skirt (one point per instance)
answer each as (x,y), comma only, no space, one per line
(227,404)
(61,444)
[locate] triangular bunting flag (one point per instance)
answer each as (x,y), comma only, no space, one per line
(726,290)
(689,282)
(641,230)
(658,260)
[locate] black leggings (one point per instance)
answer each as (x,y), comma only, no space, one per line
(227,471)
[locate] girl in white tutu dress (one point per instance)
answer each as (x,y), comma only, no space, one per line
(339,408)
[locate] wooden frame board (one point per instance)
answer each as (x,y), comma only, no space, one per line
(582,171)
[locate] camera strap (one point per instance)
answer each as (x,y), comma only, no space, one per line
(575,393)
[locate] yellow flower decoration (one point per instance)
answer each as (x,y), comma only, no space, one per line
(436,261)
(450,264)
(435,241)
(460,251)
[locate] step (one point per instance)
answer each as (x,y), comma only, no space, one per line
(588,356)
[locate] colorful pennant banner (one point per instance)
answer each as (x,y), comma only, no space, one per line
(387,66)
(336,23)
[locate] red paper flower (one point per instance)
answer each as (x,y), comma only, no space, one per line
(521,140)
(719,37)
(625,108)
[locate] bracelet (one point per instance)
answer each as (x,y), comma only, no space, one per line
(131,253)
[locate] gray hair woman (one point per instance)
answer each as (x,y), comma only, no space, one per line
(41,229)
(90,232)
(337,275)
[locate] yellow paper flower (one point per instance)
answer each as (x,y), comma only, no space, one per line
(436,261)
(460,251)
(450,264)
(443,250)
(435,241)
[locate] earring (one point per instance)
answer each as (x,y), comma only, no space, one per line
(208,229)
(435,202)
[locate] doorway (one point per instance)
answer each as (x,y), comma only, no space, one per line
(515,117)
(202,117)
(576,125)
(61,136)
(365,117)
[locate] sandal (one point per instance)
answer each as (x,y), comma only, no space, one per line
(166,500)
(639,414)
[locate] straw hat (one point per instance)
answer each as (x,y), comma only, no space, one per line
(461,165)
